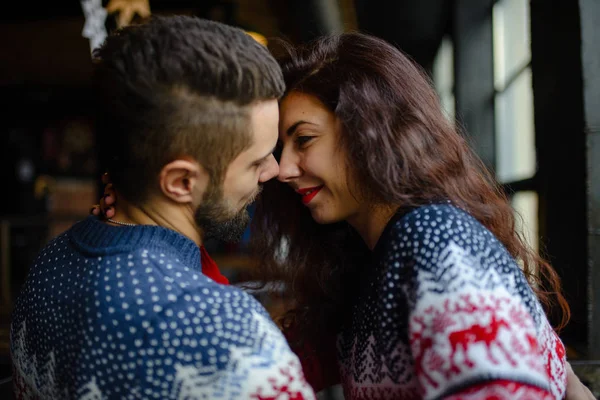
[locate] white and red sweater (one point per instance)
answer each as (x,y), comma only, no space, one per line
(444,311)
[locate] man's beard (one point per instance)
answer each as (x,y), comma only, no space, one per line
(218,221)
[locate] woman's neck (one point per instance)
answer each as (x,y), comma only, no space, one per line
(370,222)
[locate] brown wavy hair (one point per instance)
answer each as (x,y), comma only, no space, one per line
(402,151)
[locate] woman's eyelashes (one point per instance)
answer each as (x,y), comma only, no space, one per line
(302,141)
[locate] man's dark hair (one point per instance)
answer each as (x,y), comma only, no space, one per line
(177,86)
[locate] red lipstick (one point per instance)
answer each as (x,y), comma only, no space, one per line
(309,193)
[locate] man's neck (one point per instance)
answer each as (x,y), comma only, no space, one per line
(159,212)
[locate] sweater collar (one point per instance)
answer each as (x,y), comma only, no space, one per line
(96,237)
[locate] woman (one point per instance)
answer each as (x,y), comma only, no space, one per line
(398,244)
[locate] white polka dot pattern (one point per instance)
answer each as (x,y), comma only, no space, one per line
(101,322)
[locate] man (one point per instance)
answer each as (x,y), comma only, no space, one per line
(120,309)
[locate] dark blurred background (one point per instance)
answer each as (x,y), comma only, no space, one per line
(521,77)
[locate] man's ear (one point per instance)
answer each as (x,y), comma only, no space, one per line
(181,180)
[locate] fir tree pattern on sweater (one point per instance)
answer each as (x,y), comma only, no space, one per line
(446,311)
(125,312)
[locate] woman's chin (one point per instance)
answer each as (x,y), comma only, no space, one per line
(323,219)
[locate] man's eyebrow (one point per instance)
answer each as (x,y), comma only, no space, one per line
(290,131)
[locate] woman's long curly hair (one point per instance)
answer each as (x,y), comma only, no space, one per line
(401,151)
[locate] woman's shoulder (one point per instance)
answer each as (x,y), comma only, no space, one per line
(438,212)
(435,226)
(436,217)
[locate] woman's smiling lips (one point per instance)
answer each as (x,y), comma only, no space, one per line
(308,193)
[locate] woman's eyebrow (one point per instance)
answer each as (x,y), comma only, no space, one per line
(290,131)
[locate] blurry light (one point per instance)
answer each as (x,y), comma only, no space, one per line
(25,170)
(258,37)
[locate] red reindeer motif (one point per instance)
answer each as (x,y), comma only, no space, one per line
(486,334)
(422,345)
(559,353)
(425,343)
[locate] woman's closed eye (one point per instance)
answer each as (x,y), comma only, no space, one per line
(302,141)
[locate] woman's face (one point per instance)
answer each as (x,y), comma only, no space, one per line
(312,161)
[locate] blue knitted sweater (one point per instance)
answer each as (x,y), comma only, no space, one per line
(125,312)
(444,312)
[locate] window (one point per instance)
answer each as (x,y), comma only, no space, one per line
(443,76)
(515,134)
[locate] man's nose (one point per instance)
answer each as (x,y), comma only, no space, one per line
(271,170)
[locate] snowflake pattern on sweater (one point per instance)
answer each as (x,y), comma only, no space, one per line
(125,312)
(446,311)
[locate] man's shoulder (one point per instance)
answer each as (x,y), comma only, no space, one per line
(159,284)
(177,308)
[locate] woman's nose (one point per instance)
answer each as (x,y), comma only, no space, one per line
(289,167)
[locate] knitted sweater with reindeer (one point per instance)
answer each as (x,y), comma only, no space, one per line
(444,311)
